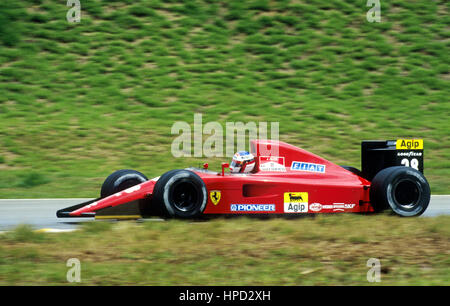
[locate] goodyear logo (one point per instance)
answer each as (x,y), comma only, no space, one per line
(409,144)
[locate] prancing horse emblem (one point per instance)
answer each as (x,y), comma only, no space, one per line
(215,196)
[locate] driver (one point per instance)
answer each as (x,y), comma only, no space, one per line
(243,162)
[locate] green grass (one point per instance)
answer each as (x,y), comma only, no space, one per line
(78,101)
(326,250)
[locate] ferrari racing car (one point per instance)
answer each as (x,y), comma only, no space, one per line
(292,182)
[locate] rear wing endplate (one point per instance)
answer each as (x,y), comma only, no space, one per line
(377,155)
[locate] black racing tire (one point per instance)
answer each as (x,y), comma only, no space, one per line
(353,170)
(180,194)
(403,189)
(121,180)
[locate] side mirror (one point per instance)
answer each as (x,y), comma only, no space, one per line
(224,165)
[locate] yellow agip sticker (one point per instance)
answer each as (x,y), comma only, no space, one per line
(409,144)
(296,197)
(295,202)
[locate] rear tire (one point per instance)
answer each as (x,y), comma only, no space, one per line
(121,180)
(353,170)
(405,190)
(181,194)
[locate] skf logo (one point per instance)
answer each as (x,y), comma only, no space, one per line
(295,202)
(215,196)
(409,144)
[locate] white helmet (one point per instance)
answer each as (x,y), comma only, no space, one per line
(243,162)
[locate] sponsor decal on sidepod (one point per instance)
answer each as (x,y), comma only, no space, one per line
(295,202)
(339,206)
(315,207)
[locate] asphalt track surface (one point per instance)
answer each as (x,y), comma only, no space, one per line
(41,213)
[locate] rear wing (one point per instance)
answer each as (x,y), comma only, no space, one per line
(377,155)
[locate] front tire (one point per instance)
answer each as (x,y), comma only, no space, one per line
(405,190)
(181,194)
(121,180)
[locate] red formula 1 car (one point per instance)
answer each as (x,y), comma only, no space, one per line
(294,182)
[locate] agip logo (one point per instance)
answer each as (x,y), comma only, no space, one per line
(409,144)
(295,202)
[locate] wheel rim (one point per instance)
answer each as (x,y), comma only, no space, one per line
(184,196)
(407,193)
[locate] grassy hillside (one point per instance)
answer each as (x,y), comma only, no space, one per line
(80,100)
(327,250)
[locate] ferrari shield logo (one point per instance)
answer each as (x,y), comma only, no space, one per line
(215,196)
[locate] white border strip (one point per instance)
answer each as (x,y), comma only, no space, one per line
(53,199)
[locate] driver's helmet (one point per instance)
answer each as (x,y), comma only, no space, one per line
(243,162)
